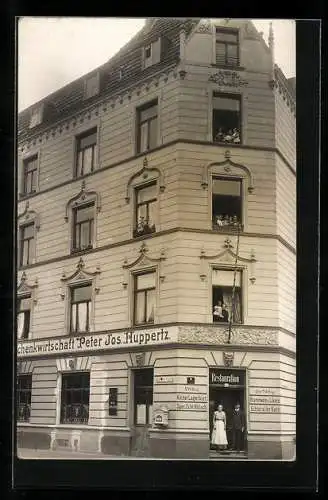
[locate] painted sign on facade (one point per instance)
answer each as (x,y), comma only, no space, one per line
(96,342)
(226,377)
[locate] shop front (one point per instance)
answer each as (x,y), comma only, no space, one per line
(227,387)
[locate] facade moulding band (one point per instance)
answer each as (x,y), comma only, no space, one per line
(159,148)
(156,235)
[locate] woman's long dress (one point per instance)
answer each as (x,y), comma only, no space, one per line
(219,435)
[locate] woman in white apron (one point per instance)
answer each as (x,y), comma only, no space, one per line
(219,435)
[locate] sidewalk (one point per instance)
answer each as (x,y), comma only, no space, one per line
(31,454)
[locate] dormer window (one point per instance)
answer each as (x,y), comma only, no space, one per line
(151,53)
(91,86)
(36,116)
(227,47)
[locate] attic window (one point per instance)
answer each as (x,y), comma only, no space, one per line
(120,73)
(151,53)
(91,86)
(36,116)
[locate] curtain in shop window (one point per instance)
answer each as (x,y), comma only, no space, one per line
(20,324)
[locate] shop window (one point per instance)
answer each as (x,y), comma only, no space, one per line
(147,127)
(75,393)
(143,396)
(227,295)
(80,314)
(30,175)
(145,199)
(226,118)
(144,297)
(23,317)
(27,244)
(227,47)
(23,397)
(83,227)
(86,151)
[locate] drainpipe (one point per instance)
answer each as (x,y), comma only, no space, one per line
(271,47)
(182,71)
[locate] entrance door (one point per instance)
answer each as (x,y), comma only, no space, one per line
(227,397)
(142,411)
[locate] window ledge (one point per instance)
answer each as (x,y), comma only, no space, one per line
(81,250)
(145,231)
(227,66)
(227,228)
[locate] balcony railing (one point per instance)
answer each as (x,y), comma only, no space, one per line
(82,248)
(23,412)
(75,413)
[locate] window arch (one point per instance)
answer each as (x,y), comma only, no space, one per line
(79,289)
(144,187)
(81,211)
(28,226)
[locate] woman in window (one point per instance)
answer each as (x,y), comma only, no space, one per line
(219,435)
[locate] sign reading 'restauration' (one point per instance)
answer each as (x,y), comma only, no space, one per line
(96,342)
(227,377)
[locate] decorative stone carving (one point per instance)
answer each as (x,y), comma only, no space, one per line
(140,359)
(143,259)
(72,363)
(228,164)
(217,335)
(204,26)
(25,288)
(80,275)
(82,197)
(227,79)
(144,173)
(228,358)
(29,216)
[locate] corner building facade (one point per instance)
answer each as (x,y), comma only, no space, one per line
(155,188)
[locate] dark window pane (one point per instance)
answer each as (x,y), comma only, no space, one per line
(146,280)
(152,133)
(28,231)
(87,140)
(227,36)
(81,294)
(146,193)
(227,187)
(147,113)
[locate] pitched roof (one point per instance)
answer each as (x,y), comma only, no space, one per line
(68,99)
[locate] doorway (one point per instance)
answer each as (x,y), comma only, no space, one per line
(227,397)
(142,411)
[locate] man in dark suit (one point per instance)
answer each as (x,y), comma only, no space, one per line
(238,428)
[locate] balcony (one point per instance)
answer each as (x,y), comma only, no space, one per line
(227,136)
(23,412)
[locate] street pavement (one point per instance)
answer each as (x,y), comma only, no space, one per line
(31,454)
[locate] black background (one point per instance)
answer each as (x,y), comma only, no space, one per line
(301,475)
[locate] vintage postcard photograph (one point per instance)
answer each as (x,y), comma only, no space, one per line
(156,239)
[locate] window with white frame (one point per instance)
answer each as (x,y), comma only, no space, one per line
(151,53)
(144,297)
(23,316)
(80,308)
(26,244)
(75,395)
(86,152)
(23,397)
(147,126)
(226,123)
(227,47)
(36,116)
(30,175)
(145,206)
(227,203)
(83,227)
(227,295)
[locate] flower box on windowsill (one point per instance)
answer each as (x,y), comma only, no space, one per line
(234,228)
(82,249)
(146,229)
